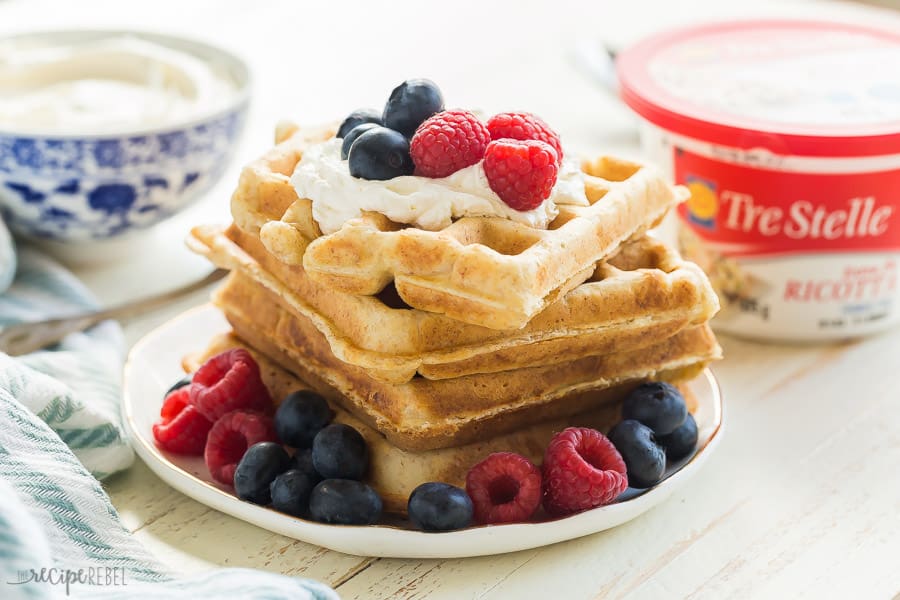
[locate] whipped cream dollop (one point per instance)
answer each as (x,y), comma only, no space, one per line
(424,202)
(105,85)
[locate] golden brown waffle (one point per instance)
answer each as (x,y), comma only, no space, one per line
(395,473)
(424,414)
(643,294)
(485,271)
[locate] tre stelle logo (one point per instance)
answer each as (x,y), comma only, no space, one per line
(703,204)
(66,577)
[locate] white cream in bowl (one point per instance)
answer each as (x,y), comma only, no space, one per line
(105,85)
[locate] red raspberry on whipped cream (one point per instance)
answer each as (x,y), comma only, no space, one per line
(521,172)
(447,142)
(523,126)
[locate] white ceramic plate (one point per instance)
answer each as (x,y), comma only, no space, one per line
(154,364)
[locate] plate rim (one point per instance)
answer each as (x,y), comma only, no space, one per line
(215,497)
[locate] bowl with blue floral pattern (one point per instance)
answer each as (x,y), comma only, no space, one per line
(107,132)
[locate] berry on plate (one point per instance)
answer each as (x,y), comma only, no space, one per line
(174,402)
(505,488)
(523,126)
(380,153)
(643,456)
(181,428)
(352,135)
(680,442)
(582,469)
(229,439)
(229,381)
(183,382)
(302,461)
(410,104)
(300,416)
(447,142)
(290,492)
(438,506)
(658,405)
(521,172)
(257,469)
(340,452)
(358,117)
(344,502)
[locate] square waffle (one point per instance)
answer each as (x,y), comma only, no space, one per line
(424,414)
(642,294)
(393,472)
(484,271)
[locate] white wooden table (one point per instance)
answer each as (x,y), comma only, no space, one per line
(802,498)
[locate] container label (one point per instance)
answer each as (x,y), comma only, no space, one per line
(794,255)
(756,211)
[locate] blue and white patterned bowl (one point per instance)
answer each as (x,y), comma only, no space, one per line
(77,187)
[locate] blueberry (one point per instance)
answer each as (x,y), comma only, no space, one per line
(302,461)
(358,117)
(439,507)
(340,452)
(352,135)
(682,441)
(380,154)
(186,380)
(300,416)
(644,458)
(657,405)
(344,502)
(260,465)
(410,103)
(290,492)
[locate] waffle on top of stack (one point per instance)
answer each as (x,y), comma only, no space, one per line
(437,339)
(486,271)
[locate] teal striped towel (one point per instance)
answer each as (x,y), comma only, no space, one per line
(61,431)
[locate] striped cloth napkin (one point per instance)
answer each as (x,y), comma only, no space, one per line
(60,432)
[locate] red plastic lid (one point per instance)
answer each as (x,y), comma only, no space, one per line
(804,88)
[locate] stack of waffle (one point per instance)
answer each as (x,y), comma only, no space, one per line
(441,347)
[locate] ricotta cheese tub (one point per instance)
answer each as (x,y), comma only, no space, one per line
(787,134)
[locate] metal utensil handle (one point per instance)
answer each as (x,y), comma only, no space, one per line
(23,338)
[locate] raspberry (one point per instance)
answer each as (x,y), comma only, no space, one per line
(523,126)
(582,469)
(447,142)
(521,172)
(504,488)
(229,381)
(181,429)
(175,401)
(229,439)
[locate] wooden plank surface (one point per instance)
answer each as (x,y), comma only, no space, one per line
(801,499)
